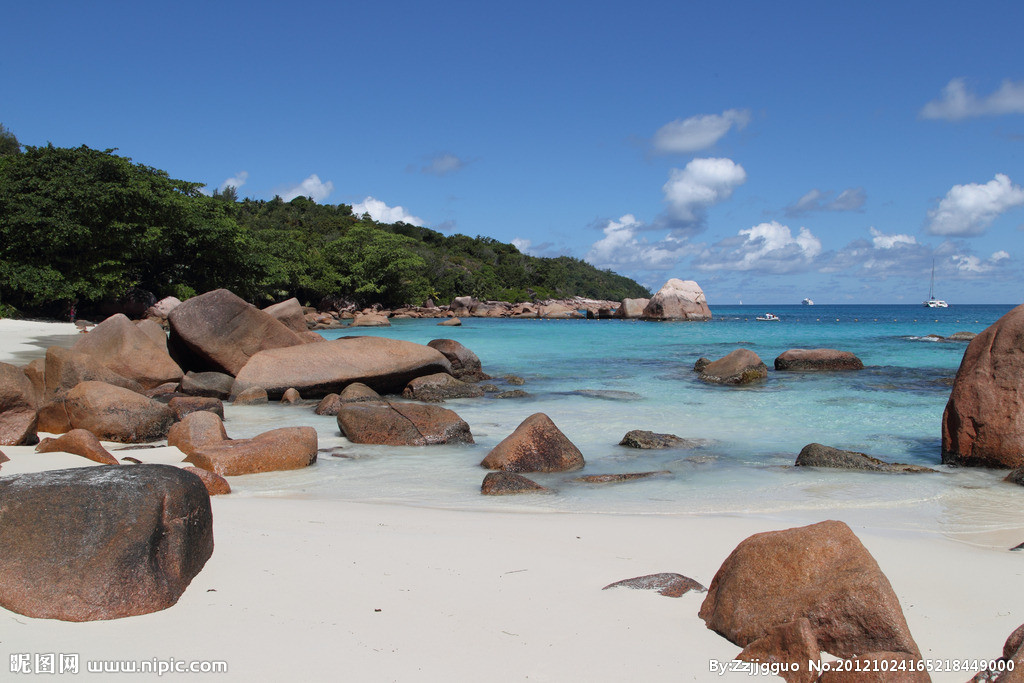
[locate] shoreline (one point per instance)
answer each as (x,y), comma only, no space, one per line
(295,584)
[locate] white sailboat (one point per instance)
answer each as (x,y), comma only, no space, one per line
(932,301)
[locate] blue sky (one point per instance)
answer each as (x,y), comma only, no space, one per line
(770,151)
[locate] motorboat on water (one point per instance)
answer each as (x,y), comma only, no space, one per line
(808,302)
(768,316)
(932,301)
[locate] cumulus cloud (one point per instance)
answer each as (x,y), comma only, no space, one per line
(236,181)
(970,265)
(882,241)
(850,199)
(765,248)
(683,136)
(622,249)
(382,213)
(957,102)
(969,209)
(701,184)
(311,187)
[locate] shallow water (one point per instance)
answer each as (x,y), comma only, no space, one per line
(599,379)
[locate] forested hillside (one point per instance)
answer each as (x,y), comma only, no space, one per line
(79,225)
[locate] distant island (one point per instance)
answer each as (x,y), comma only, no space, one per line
(81,227)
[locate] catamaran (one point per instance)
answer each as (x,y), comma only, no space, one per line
(932,301)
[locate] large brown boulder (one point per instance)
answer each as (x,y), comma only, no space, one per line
(370,320)
(117,414)
(983,423)
(401,424)
(678,300)
(65,369)
(289,312)
(220,331)
(287,448)
(18,414)
(811,360)
(631,309)
(78,442)
(820,572)
(465,364)
(742,366)
(536,445)
(440,387)
(184,405)
(152,329)
(120,346)
(315,370)
(101,542)
(195,431)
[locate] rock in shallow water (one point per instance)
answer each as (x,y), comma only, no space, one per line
(536,445)
(818,455)
(401,424)
(507,484)
(742,366)
(101,542)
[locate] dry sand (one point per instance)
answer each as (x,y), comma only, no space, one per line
(331,590)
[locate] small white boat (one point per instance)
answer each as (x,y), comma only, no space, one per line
(932,301)
(808,302)
(768,316)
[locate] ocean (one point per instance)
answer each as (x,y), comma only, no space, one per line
(598,379)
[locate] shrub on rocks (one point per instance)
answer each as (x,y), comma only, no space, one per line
(101,542)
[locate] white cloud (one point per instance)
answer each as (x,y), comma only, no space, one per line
(767,248)
(443,164)
(701,184)
(382,213)
(697,132)
(958,103)
(236,182)
(969,265)
(850,199)
(522,245)
(882,241)
(969,209)
(620,248)
(311,187)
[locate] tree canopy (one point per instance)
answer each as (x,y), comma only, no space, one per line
(84,225)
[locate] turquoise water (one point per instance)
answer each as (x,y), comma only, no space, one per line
(599,379)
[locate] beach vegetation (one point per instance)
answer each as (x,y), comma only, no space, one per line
(80,226)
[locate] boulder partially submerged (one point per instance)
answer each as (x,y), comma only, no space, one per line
(818,455)
(439,387)
(817,360)
(983,423)
(742,366)
(401,424)
(678,300)
(509,484)
(536,445)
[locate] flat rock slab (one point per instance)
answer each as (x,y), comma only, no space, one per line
(401,424)
(315,370)
(619,478)
(641,438)
(101,542)
(818,455)
(78,442)
(669,584)
(817,360)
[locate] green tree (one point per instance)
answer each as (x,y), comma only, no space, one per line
(8,143)
(375,266)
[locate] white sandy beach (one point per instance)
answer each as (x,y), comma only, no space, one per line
(323,590)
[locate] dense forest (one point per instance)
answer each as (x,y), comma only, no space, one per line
(82,226)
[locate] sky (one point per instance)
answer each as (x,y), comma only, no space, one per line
(769,151)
